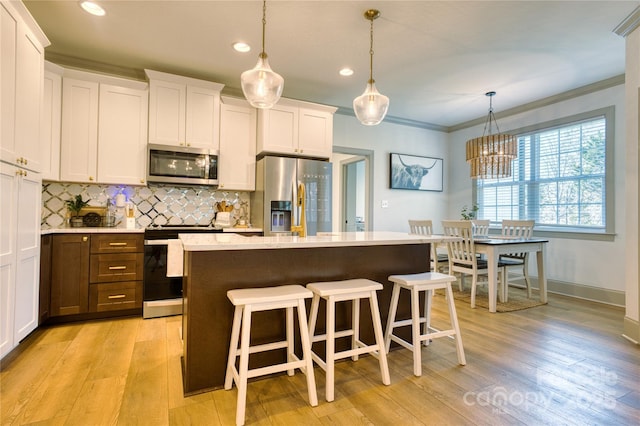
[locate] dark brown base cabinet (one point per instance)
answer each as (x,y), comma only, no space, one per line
(70,274)
(95,275)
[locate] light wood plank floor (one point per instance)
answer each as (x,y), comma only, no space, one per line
(564,363)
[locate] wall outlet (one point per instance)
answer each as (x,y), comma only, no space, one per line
(385,204)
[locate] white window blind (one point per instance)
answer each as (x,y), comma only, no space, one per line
(558,180)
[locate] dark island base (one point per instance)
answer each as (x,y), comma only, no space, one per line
(208,314)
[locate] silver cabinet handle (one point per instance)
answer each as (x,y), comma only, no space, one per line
(117,268)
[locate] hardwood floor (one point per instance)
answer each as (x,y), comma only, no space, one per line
(563,363)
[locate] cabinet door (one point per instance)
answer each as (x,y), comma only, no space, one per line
(79,143)
(8,228)
(278,130)
(50,126)
(29,79)
(237,159)
(202,114)
(21,74)
(167,112)
(70,274)
(28,218)
(315,133)
(122,135)
(8,37)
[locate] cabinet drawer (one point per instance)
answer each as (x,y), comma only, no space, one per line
(116,267)
(117,243)
(115,297)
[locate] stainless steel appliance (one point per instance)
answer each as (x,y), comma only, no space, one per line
(182,165)
(162,295)
(274,204)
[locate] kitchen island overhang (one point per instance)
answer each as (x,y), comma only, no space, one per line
(216,263)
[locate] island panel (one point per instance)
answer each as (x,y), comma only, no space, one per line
(208,314)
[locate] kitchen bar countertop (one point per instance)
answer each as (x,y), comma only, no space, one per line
(208,242)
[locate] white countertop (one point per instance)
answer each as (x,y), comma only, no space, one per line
(207,242)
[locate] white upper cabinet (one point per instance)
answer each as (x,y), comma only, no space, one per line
(122,135)
(104,129)
(50,119)
(79,143)
(237,157)
(21,79)
(296,128)
(183,111)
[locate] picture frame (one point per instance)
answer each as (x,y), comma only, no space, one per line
(415,172)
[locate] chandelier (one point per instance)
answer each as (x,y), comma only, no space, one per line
(371,107)
(261,85)
(490,156)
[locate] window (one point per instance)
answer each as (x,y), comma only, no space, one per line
(562,177)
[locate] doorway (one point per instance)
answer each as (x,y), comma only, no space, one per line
(353,204)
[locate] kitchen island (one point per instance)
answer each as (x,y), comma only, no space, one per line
(216,263)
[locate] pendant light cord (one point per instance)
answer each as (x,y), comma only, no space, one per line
(264,25)
(371,81)
(491,115)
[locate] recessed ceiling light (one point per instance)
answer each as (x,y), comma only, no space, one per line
(241,47)
(346,72)
(92,8)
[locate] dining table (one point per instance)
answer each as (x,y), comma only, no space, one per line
(493,246)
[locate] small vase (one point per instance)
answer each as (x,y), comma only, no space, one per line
(76,221)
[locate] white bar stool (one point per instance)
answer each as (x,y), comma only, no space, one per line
(427,281)
(252,300)
(340,291)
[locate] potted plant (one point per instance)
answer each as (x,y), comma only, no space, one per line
(74,206)
(469,213)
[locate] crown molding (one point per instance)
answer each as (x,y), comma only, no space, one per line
(580,91)
(398,120)
(628,24)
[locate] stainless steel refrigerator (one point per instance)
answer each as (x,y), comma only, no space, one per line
(275,205)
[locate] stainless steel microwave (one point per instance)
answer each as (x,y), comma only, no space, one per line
(182,165)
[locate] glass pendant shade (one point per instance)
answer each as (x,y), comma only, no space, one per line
(371,107)
(261,85)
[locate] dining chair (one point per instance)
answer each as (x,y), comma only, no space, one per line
(463,258)
(439,261)
(521,229)
(480,227)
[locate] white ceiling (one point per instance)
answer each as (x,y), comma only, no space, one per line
(433,59)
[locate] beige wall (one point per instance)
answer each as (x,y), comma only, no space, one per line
(632,104)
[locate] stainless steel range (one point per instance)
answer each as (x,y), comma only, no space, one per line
(162,295)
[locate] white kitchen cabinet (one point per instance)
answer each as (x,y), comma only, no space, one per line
(296,128)
(278,129)
(50,119)
(79,142)
(104,129)
(122,135)
(20,210)
(183,111)
(21,79)
(237,156)
(315,132)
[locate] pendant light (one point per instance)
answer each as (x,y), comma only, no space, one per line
(371,107)
(261,85)
(490,156)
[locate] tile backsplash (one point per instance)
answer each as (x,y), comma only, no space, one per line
(156,204)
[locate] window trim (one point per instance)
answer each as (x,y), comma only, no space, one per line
(608,234)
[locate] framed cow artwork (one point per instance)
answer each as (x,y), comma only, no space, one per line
(415,172)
